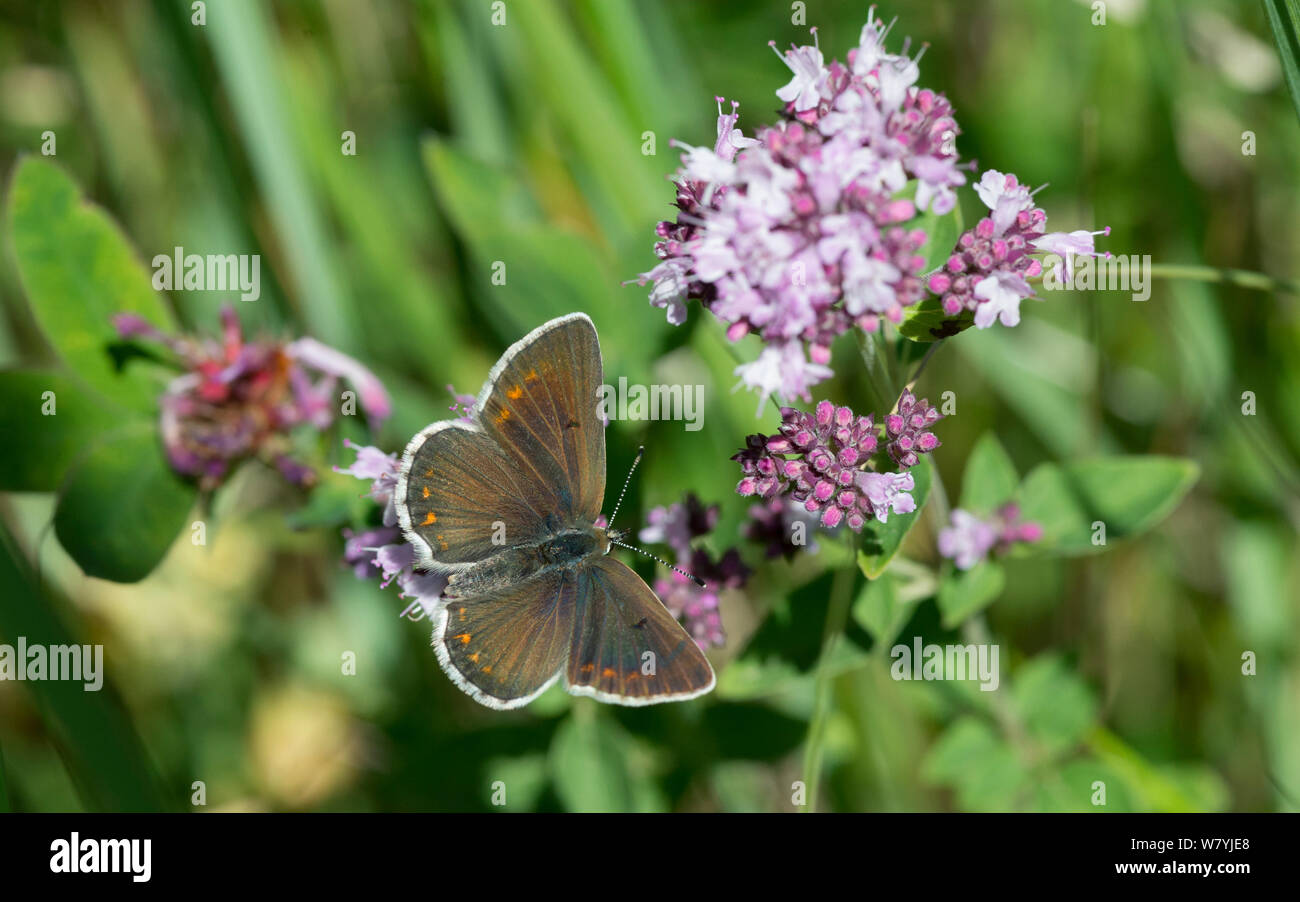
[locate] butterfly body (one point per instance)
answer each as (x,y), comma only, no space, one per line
(563,550)
(507,505)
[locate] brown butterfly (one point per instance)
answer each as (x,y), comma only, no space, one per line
(508,505)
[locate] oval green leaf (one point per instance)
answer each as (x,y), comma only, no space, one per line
(122,507)
(77,270)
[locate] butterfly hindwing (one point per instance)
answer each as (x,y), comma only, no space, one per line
(627,648)
(541,406)
(505,648)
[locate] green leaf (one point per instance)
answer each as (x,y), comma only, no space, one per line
(881,368)
(877,609)
(54,429)
(1154,787)
(523,777)
(1057,707)
(990,478)
(1041,370)
(1284,19)
(926,321)
(978,764)
(965,592)
(78,270)
(881,541)
(1129,494)
(594,769)
(122,507)
(548,270)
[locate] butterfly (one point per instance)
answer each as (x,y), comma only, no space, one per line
(507,506)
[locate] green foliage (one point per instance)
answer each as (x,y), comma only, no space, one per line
(524,145)
(1128,495)
(91,731)
(56,429)
(122,507)
(990,478)
(78,270)
(966,592)
(1284,19)
(926,321)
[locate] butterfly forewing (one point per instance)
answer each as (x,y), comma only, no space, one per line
(460,496)
(506,648)
(541,408)
(627,647)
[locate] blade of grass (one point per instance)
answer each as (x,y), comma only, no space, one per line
(243,48)
(1284,19)
(95,737)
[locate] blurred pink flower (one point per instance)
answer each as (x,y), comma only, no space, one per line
(239,399)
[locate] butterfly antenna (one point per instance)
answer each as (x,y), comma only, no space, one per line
(640,452)
(691,576)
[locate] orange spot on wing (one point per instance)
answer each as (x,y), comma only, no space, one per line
(464,638)
(487,669)
(503,415)
(425,491)
(514,394)
(633,675)
(461,612)
(608,672)
(441,542)
(429,519)
(474,658)
(531,377)
(428,474)
(588,668)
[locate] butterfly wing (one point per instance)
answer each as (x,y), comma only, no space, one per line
(455,486)
(627,648)
(506,648)
(541,406)
(531,463)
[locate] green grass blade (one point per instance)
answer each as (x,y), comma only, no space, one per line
(99,745)
(1284,18)
(242,44)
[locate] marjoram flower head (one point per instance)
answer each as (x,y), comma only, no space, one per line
(679,525)
(809,229)
(821,461)
(239,399)
(382,552)
(968,539)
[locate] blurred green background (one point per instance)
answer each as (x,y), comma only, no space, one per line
(523,143)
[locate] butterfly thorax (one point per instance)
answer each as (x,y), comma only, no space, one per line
(512,564)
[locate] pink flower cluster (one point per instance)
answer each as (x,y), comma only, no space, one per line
(820,460)
(679,526)
(808,229)
(969,539)
(239,399)
(800,234)
(382,552)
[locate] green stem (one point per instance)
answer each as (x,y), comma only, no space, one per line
(1239,277)
(920,367)
(836,617)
